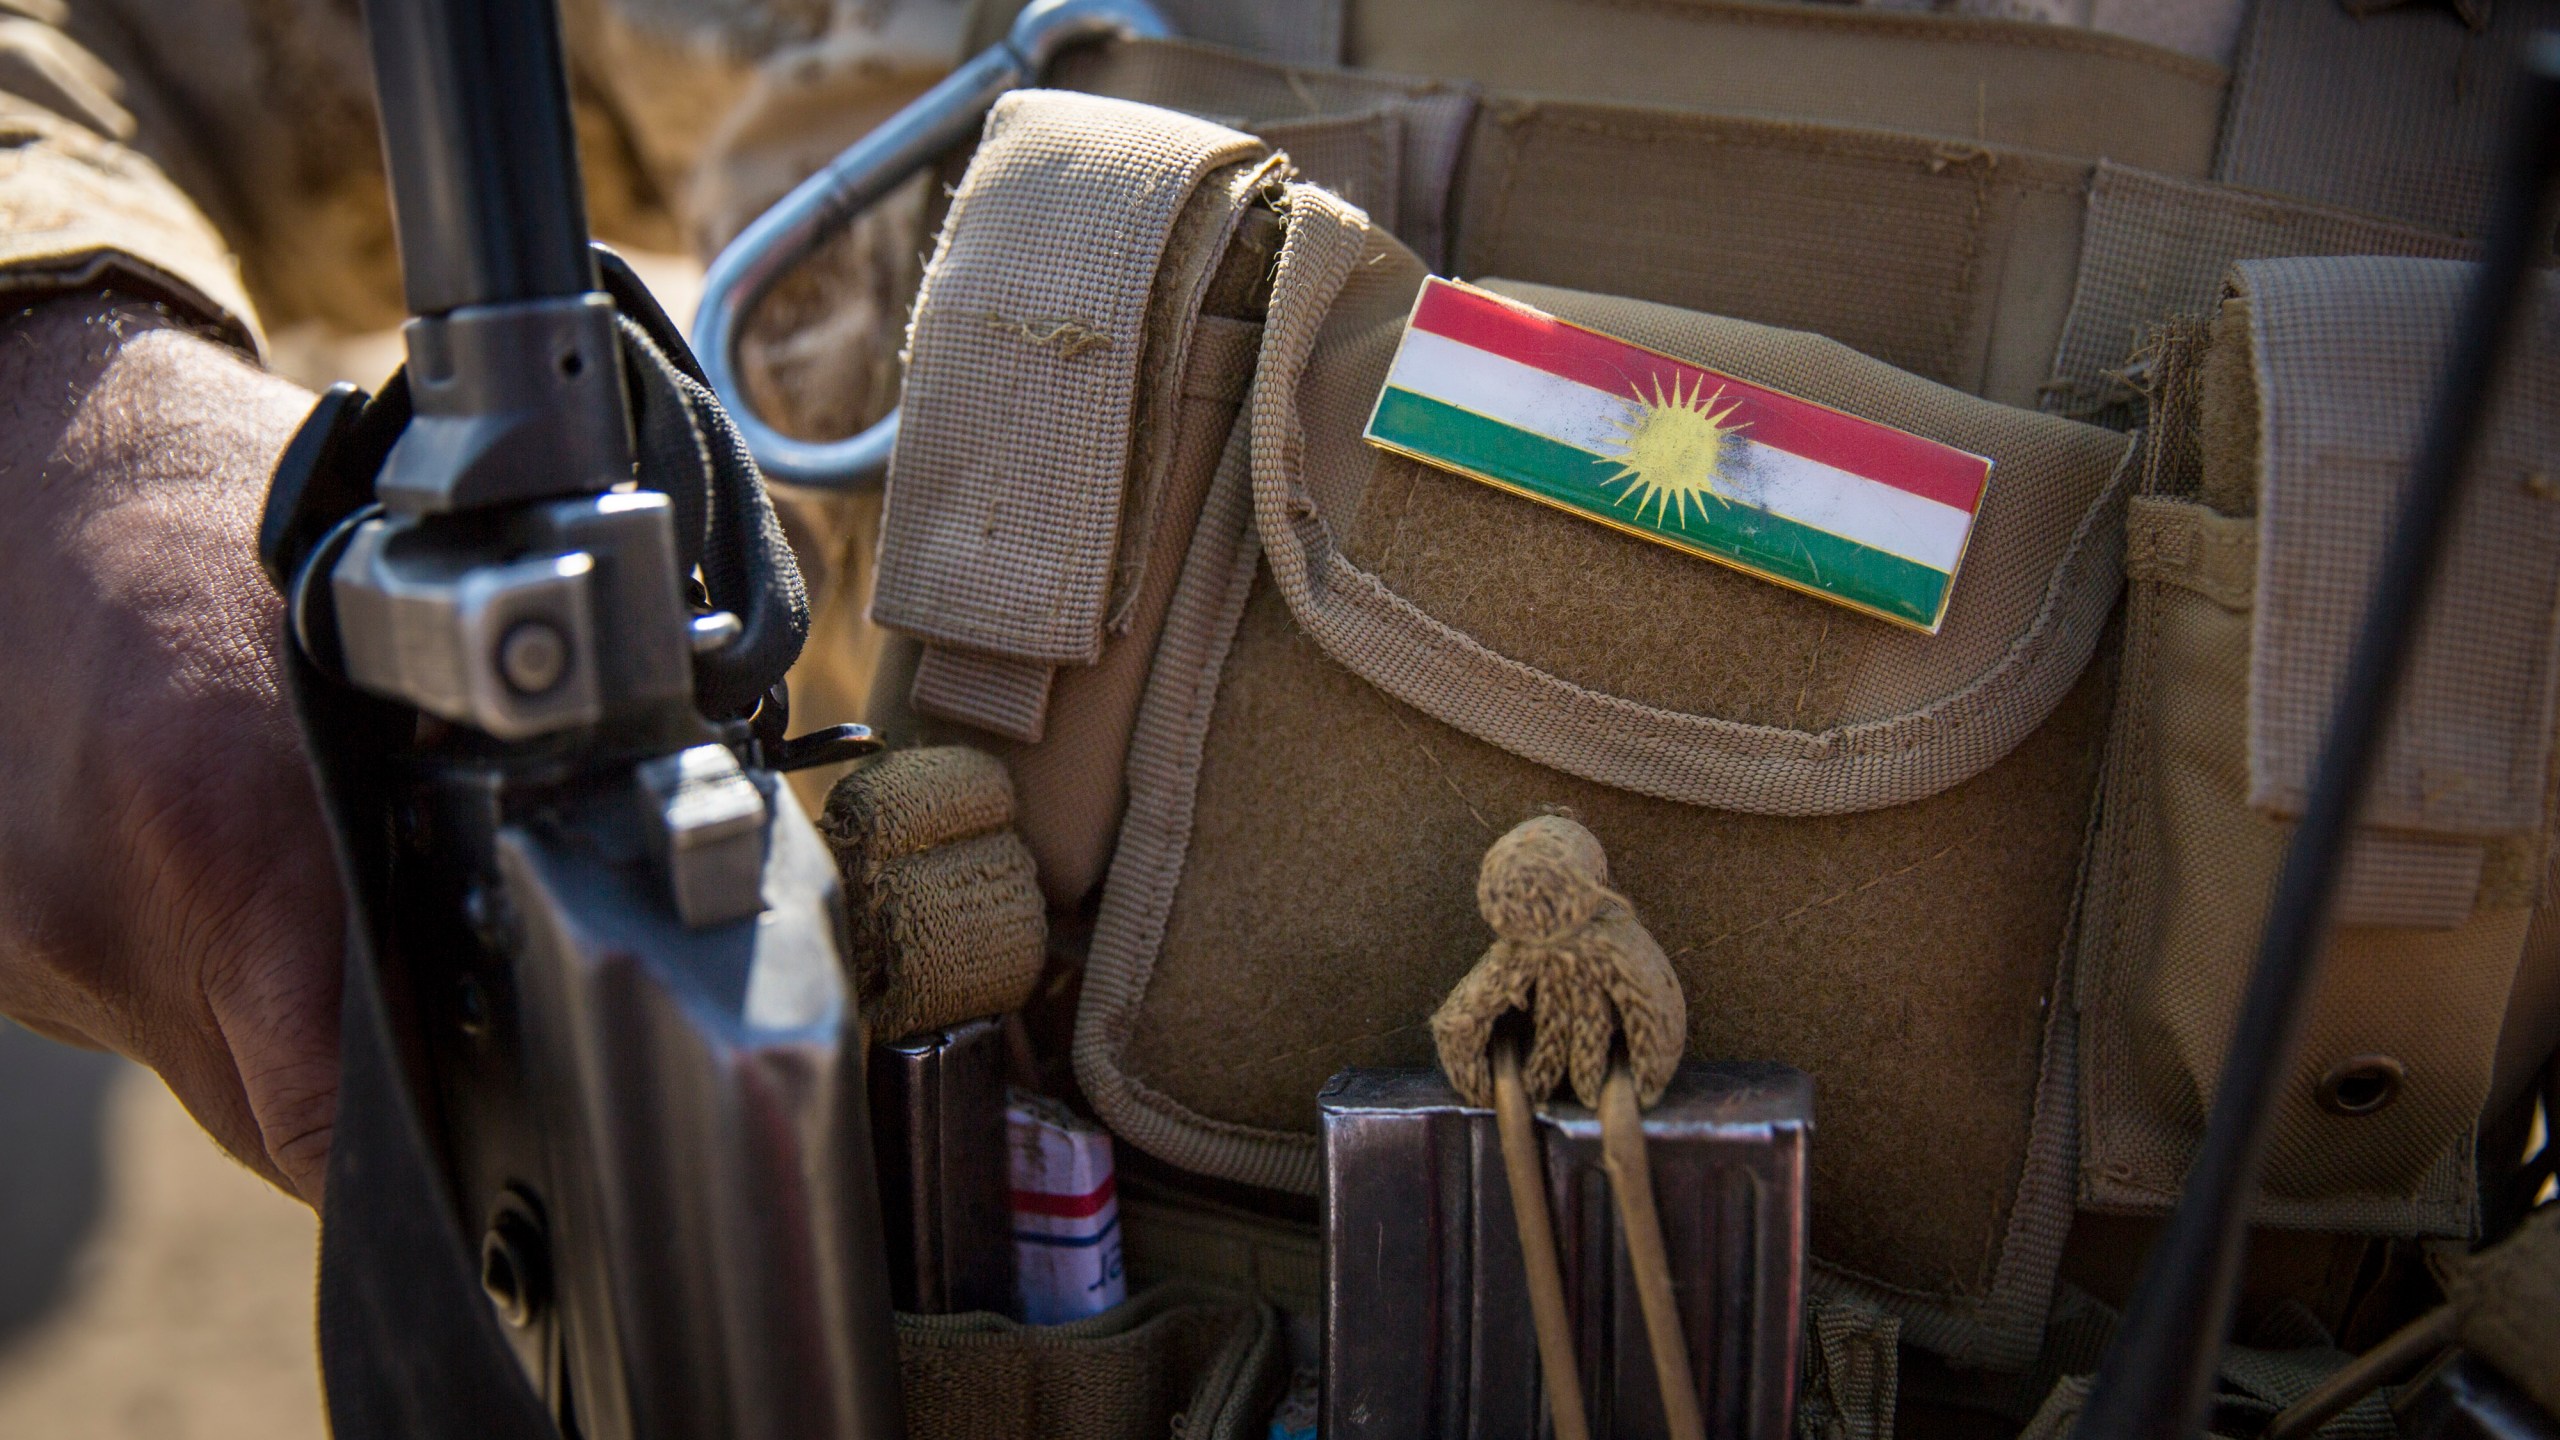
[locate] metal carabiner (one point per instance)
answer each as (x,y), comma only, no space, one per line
(854,181)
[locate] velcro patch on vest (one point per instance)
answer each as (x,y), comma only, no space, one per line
(1792,491)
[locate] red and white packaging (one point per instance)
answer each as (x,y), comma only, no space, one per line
(1066,1214)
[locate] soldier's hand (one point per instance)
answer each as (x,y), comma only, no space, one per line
(166,888)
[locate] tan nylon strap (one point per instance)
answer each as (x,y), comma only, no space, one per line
(2346,352)
(1294,32)
(1397,161)
(1004,514)
(1388,144)
(2178,542)
(992,692)
(2410,882)
(2155,246)
(1691,758)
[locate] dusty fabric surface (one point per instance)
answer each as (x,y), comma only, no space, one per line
(1288,32)
(1571,954)
(1952,260)
(1796,940)
(2401,112)
(1023,381)
(1397,160)
(1198,334)
(1208,80)
(2179,881)
(1851,1373)
(1389,144)
(2177,897)
(2157,246)
(1386,563)
(1071,782)
(2469,747)
(1945,76)
(1181,1359)
(1170,1235)
(947,920)
(2204,29)
(1916,941)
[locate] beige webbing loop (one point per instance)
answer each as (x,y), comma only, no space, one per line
(1569,951)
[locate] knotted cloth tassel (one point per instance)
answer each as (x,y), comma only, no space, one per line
(1570,953)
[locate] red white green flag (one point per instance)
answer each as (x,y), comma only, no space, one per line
(1787,489)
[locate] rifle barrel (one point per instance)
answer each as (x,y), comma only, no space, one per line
(481,151)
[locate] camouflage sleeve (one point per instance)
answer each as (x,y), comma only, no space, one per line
(80,207)
(248,126)
(182,127)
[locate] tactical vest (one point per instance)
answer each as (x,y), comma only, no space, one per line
(1265,692)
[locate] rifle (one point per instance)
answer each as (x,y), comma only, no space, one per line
(602,1164)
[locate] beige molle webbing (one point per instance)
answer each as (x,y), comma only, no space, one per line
(1182,1359)
(2393,111)
(1016,521)
(1395,685)
(2155,246)
(2345,353)
(2281,433)
(948,922)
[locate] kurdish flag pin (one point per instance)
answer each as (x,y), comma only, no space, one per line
(1795,492)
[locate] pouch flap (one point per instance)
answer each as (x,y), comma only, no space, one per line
(1003,536)
(1592,652)
(2346,353)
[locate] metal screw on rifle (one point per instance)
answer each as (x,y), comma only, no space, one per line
(515,1263)
(711,632)
(533,656)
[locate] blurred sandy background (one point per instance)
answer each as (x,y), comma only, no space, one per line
(182,1308)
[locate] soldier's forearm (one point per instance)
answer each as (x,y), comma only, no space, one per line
(165,886)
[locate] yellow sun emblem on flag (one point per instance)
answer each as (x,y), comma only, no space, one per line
(1671,451)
